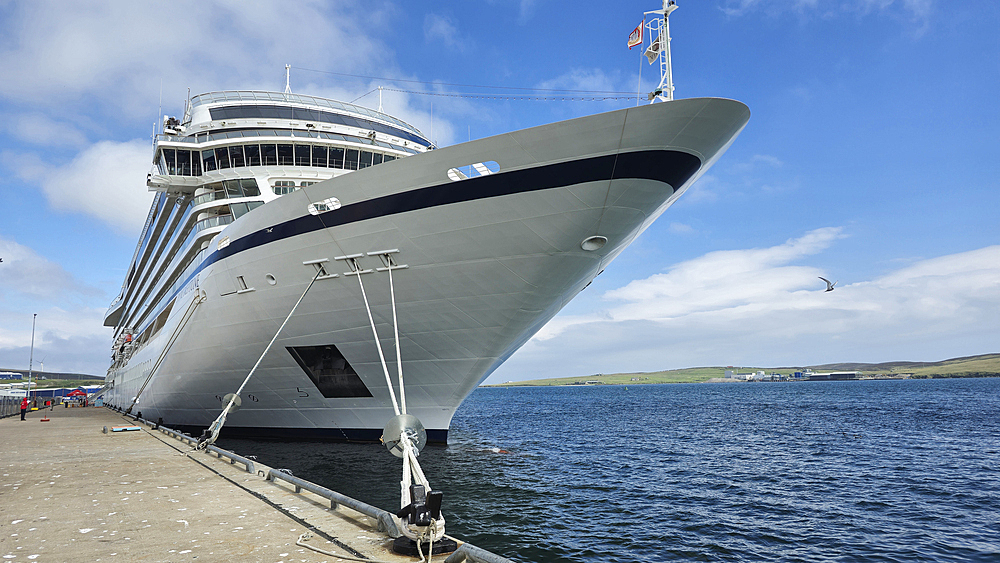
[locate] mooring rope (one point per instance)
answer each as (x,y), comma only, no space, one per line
(219,422)
(378,344)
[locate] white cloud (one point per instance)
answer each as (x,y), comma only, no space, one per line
(106,181)
(705,190)
(767,159)
(721,280)
(40,129)
(61,65)
(758,307)
(67,340)
(587,79)
(915,11)
(69,333)
(56,52)
(438,27)
(23,271)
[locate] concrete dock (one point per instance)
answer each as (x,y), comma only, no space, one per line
(70,492)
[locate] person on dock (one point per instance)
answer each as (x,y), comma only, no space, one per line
(24,407)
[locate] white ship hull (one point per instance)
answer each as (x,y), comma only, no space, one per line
(490,260)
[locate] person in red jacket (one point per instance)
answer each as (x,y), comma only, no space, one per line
(24,407)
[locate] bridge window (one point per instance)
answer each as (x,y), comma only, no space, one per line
(351,162)
(236,156)
(252,154)
(208,160)
(365,160)
(319,156)
(336,157)
(269,154)
(285,155)
(222,157)
(302,157)
(184,162)
(170,159)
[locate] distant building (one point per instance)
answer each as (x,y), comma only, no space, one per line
(10,375)
(834,376)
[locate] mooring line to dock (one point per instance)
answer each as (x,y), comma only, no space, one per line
(358,556)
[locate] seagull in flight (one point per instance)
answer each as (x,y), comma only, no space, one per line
(829,286)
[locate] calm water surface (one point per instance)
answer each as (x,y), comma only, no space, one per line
(819,471)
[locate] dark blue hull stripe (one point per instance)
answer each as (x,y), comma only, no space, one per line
(667,166)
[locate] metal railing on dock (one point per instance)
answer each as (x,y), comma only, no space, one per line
(466,552)
(384,518)
(9,406)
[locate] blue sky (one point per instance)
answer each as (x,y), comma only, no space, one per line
(871,158)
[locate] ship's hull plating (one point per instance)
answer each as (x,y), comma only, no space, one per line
(489,260)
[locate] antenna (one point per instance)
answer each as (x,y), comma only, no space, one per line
(659,48)
(380,99)
(159,107)
(288,70)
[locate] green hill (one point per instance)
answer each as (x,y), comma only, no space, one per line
(986,365)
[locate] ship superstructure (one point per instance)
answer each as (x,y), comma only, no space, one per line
(233,152)
(258,192)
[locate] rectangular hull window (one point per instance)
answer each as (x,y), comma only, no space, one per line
(330,371)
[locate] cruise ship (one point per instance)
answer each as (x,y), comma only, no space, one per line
(260,194)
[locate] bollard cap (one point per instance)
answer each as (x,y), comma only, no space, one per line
(398,426)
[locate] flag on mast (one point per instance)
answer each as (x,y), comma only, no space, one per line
(654,49)
(635,38)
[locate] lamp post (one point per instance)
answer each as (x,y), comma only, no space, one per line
(31,357)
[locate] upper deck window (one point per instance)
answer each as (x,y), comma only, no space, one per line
(306,114)
(282,187)
(193,163)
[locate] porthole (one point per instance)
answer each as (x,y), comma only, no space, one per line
(270,279)
(593,243)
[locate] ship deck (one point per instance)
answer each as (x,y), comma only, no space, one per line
(70,492)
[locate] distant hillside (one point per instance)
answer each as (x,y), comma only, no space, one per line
(986,365)
(47,379)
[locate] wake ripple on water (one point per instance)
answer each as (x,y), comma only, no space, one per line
(819,471)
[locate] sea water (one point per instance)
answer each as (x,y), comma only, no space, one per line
(897,470)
